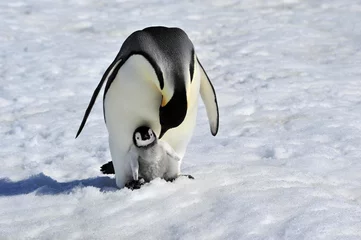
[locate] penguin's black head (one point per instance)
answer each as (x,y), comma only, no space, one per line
(144,137)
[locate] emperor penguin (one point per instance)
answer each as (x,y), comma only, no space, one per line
(155,80)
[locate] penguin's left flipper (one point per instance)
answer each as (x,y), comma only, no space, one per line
(169,151)
(107,168)
(210,100)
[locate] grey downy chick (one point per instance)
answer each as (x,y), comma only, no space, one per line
(156,158)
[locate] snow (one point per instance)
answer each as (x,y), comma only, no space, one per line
(284,165)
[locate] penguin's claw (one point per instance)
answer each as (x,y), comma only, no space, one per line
(189,176)
(182,175)
(135,184)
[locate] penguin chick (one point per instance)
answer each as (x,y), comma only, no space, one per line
(156,158)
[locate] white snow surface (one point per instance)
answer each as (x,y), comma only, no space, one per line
(286,163)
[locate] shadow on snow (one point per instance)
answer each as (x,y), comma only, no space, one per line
(42,184)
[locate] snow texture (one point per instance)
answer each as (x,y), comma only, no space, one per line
(285,164)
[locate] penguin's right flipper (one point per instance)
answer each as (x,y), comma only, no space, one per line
(134,164)
(108,73)
(210,100)
(107,168)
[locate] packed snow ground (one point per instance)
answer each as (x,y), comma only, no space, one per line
(286,163)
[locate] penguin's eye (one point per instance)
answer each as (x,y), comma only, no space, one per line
(137,136)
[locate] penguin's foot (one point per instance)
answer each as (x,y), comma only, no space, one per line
(181,175)
(187,175)
(135,184)
(107,168)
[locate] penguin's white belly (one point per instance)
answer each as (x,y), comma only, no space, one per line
(179,137)
(133,100)
(130,102)
(150,169)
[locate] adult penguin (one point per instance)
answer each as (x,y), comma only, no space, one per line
(154,81)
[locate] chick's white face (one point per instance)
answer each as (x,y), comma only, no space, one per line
(143,139)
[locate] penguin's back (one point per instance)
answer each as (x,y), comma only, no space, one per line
(169,50)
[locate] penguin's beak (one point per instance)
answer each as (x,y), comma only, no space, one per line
(164,101)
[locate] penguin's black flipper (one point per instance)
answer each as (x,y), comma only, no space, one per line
(107,168)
